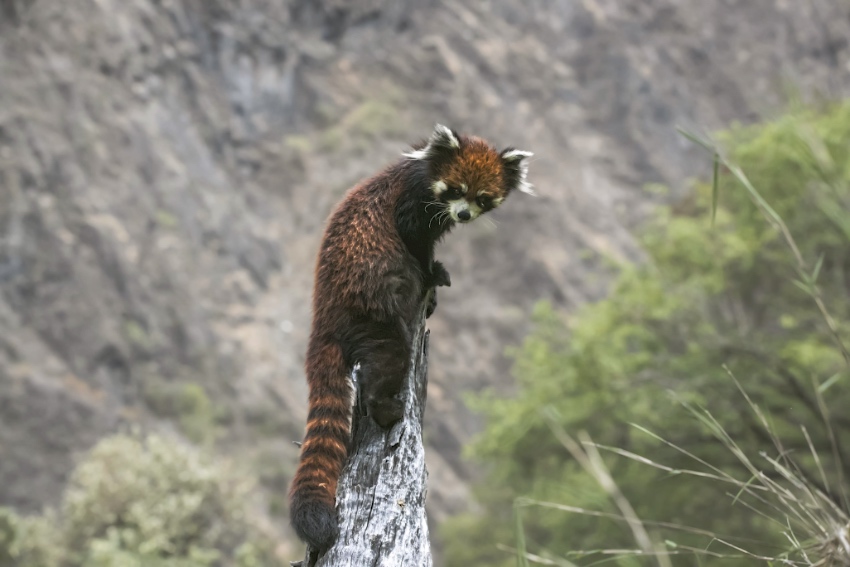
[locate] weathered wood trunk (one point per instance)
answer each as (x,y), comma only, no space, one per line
(381,494)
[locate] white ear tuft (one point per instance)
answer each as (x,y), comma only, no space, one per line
(442,138)
(524,185)
(417,154)
(527,188)
(518,159)
(443,135)
(515,155)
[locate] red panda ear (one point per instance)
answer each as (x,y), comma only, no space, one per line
(515,163)
(442,141)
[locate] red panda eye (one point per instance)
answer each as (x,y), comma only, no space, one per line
(452,193)
(483,202)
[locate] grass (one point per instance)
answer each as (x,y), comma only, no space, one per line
(814,522)
(809,513)
(808,276)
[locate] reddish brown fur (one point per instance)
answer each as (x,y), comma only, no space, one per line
(361,250)
(374,269)
(478,166)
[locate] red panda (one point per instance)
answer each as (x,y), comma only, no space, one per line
(375,265)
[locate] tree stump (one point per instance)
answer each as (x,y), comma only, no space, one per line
(381,493)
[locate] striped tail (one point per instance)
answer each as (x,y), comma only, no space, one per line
(325,448)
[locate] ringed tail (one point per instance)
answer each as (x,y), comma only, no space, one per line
(325,447)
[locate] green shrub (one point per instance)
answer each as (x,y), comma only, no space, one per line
(154,497)
(188,404)
(28,542)
(733,293)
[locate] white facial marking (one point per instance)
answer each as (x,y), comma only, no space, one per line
(497,201)
(464,188)
(459,205)
(439,187)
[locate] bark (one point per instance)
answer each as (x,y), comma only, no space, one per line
(381,494)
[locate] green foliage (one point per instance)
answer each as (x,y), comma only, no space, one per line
(717,291)
(136,334)
(153,497)
(27,542)
(188,404)
(103,554)
(142,501)
(166,219)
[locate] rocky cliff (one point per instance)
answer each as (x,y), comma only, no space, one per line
(166,167)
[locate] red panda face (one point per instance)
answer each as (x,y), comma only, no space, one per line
(469,177)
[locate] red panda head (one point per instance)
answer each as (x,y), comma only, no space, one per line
(468,176)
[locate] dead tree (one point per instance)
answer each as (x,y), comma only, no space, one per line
(381,493)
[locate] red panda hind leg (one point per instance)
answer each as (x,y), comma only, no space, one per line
(383,352)
(384,366)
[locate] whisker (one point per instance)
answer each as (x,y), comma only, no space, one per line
(490,221)
(437,216)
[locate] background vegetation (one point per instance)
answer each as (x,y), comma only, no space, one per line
(142,501)
(729,291)
(714,371)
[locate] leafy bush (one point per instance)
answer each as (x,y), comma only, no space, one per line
(188,403)
(142,501)
(154,497)
(27,542)
(733,293)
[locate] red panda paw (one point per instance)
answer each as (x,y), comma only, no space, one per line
(386,411)
(439,275)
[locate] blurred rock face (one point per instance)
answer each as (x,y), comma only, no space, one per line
(166,167)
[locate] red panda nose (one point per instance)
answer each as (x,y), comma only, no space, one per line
(463,215)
